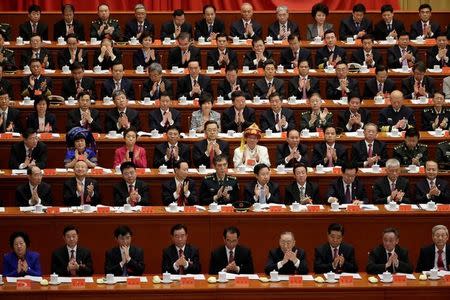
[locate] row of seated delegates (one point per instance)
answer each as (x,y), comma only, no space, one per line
(180,257)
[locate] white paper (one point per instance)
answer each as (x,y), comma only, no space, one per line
(118,279)
(408,276)
(2,209)
(32,278)
(368,170)
(69,279)
(274,135)
(441,273)
(353,134)
(19,172)
(65,209)
(232,276)
(337,276)
(311,135)
(400,70)
(196,276)
(433,133)
(417,101)
(390,134)
(179,209)
(61,170)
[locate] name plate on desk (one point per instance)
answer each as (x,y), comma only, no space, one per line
(443,207)
(133,281)
(399,278)
(147,209)
(353,207)
(96,171)
(405,207)
(190,209)
(103,209)
(23,283)
(46,135)
(447,279)
(345,279)
(313,208)
(242,280)
(228,209)
(188,280)
(297,279)
(53,210)
(78,282)
(49,171)
(275,208)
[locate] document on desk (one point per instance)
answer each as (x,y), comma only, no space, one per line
(32,278)
(196,276)
(232,276)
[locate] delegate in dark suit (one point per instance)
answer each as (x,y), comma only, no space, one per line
(6,86)
(184,153)
(324,53)
(199,148)
(283,151)
(201,28)
(132,28)
(135,267)
(274,29)
(64,58)
(382,190)
(358,192)
(274,190)
(175,57)
(70,193)
(139,59)
(294,89)
(27,55)
(381,31)
(211,185)
(26,31)
(13,117)
(60,29)
(251,56)
(371,87)
(276,255)
(23,194)
(427,258)
(148,86)
(38,86)
(112,116)
(212,58)
(267,120)
(237,29)
(360,155)
(320,152)
(417,29)
(18,154)
(408,86)
(261,88)
(121,192)
(287,56)
(74,118)
(191,254)
(388,117)
(323,259)
(242,258)
(378,259)
(423,188)
(107,62)
(348,27)
(168,30)
(344,117)
(358,56)
(333,84)
(155,117)
(394,55)
(228,119)
(184,86)
(169,187)
(432,60)
(33,121)
(69,88)
(224,88)
(292,193)
(126,85)
(60,260)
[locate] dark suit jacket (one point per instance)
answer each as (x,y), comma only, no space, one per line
(388,117)
(287,56)
(184,86)
(201,28)
(237,29)
(170,256)
(18,153)
(347,27)
(70,192)
(198,152)
(360,155)
(125,84)
(394,54)
(229,114)
(381,32)
(27,91)
(212,57)
(408,86)
(260,88)
(337,190)
(60,260)
(334,93)
(6,86)
(358,56)
(112,116)
(378,259)
(107,62)
(417,29)
(23,194)
(13,117)
(251,55)
(283,151)
(168,29)
(323,259)
(292,193)
(274,190)
(323,55)
(139,59)
(121,193)
(64,58)
(422,189)
(267,120)
(224,88)
(371,87)
(320,152)
(27,55)
(276,255)
(431,57)
(184,153)
(69,88)
(242,258)
(382,190)
(427,258)
(148,85)
(274,29)
(59,29)
(25,30)
(295,91)
(169,187)
(74,118)
(155,117)
(135,267)
(344,116)
(131,29)
(175,57)
(33,121)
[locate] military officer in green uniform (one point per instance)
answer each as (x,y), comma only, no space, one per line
(411,152)
(316,117)
(6,56)
(437,116)
(219,187)
(104,26)
(443,155)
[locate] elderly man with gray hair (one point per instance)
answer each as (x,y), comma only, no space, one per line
(156,84)
(436,255)
(391,187)
(139,24)
(283,27)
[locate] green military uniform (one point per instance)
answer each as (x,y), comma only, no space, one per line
(405,155)
(116,34)
(443,155)
(429,115)
(306,117)
(8,62)
(210,186)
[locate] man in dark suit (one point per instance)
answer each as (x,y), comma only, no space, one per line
(139,24)
(287,259)
(246,27)
(425,27)
(5,85)
(222,56)
(257,57)
(436,255)
(342,85)
(204,151)
(347,189)
(418,85)
(37,51)
(172,151)
(439,54)
(356,25)
(77,83)
(330,54)
(391,188)
(130,189)
(193,85)
(402,54)
(36,85)
(283,27)
(68,25)
(277,119)
(335,256)
(81,190)
(354,117)
(72,259)
(303,86)
(302,190)
(106,56)
(238,117)
(180,189)
(125,259)
(33,25)
(231,257)
(29,152)
(72,54)
(180,257)
(292,152)
(209,27)
(105,27)
(84,115)
(432,188)
(369,151)
(388,26)
(367,54)
(184,53)
(118,83)
(264,87)
(34,191)
(396,115)
(378,85)
(164,116)
(9,117)
(329,153)
(156,84)
(121,117)
(173,29)
(232,83)
(291,57)
(389,256)
(262,190)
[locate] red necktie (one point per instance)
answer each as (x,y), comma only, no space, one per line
(180,268)
(335,253)
(181,198)
(370,151)
(330,157)
(34,28)
(304,95)
(140,28)
(440,261)
(211,157)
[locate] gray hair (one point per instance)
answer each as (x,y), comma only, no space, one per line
(282,8)
(287,233)
(439,227)
(139,6)
(117,93)
(155,67)
(392,163)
